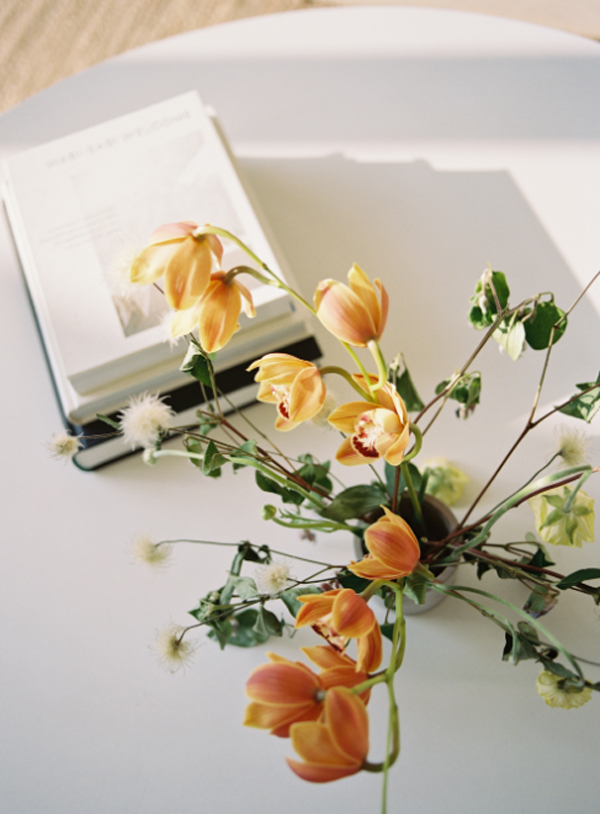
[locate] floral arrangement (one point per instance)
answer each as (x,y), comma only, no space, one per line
(394,516)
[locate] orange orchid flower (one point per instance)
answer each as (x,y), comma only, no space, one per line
(284,692)
(393,549)
(352,313)
(341,615)
(216,312)
(336,748)
(295,386)
(374,431)
(185,261)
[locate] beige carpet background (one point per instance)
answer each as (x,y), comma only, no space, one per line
(44,41)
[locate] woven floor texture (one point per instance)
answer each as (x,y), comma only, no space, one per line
(44,41)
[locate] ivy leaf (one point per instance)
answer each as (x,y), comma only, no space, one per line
(245,634)
(541,601)
(482,316)
(585,406)
(577,577)
(195,446)
(355,501)
(197,364)
(212,461)
(267,624)
(245,450)
(315,473)
(290,600)
(221,630)
(408,392)
(517,647)
(538,328)
(415,588)
(287,495)
(245,587)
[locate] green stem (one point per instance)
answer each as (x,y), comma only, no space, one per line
(418,510)
(375,350)
(347,376)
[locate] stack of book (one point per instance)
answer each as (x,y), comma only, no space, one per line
(81,208)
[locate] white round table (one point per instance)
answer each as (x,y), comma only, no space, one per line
(422,144)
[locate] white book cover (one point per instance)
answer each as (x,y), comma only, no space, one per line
(82,206)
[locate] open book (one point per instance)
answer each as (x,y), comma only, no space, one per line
(80,208)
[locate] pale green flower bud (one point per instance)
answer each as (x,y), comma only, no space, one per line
(560,524)
(554,692)
(446,481)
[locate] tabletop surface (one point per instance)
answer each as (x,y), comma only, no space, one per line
(423,145)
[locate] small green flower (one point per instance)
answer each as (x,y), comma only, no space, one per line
(445,481)
(560,521)
(556,693)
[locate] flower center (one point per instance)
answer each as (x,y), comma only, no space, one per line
(366,434)
(282,394)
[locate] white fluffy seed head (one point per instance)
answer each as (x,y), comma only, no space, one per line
(144,419)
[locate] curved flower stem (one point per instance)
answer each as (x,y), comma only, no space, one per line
(344,374)
(216,230)
(367,394)
(252,545)
(377,355)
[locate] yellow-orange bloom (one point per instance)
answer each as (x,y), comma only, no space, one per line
(295,386)
(352,313)
(284,692)
(216,313)
(374,430)
(393,549)
(341,615)
(336,748)
(185,261)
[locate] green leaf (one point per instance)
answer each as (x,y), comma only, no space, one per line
(220,630)
(267,624)
(538,328)
(244,634)
(541,601)
(390,478)
(415,588)
(355,501)
(577,577)
(511,337)
(195,446)
(586,406)
(289,597)
(245,587)
(315,473)
(349,580)
(247,450)
(212,461)
(116,425)
(484,304)
(197,364)
(408,392)
(517,648)
(387,630)
(287,495)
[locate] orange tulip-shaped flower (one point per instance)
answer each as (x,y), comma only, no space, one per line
(216,313)
(341,615)
(393,549)
(336,748)
(374,431)
(284,691)
(295,386)
(185,261)
(352,313)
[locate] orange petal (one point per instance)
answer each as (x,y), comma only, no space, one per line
(351,616)
(327,658)
(282,684)
(344,315)
(348,722)
(307,394)
(188,273)
(172,231)
(184,322)
(278,368)
(370,651)
(392,541)
(149,266)
(320,774)
(348,456)
(362,287)
(344,417)
(220,310)
(315,607)
(385,301)
(395,452)
(248,302)
(314,743)
(370,568)
(279,719)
